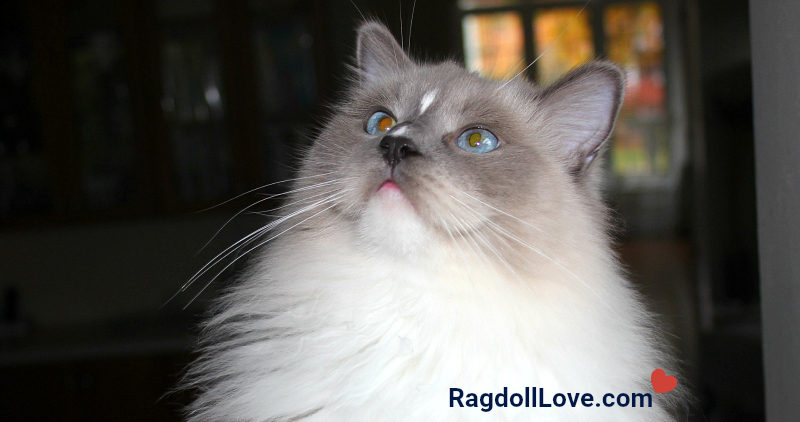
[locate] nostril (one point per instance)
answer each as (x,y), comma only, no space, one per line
(407,149)
(396,148)
(403,151)
(384,144)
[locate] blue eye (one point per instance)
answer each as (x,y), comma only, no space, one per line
(477,140)
(379,122)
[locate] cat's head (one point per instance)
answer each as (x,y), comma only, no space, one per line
(423,151)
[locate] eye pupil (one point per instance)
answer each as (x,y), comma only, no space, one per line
(385,124)
(475,139)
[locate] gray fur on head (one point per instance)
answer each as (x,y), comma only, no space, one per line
(475,271)
(378,53)
(548,137)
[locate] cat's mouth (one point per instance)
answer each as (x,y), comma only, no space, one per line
(389,185)
(391,194)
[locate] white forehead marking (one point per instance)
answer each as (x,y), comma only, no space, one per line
(427,99)
(400,130)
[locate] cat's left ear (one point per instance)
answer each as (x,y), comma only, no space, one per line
(581,109)
(377,52)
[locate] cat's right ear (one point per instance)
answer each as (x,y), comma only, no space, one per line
(581,109)
(377,52)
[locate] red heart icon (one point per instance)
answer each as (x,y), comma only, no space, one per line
(663,383)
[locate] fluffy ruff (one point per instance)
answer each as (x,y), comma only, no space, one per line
(328,327)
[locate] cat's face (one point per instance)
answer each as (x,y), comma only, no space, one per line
(433,150)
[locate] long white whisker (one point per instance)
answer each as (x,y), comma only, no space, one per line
(251,239)
(262,187)
(462,255)
(561,266)
(189,282)
(501,230)
(306,199)
(252,249)
(279,218)
(402,39)
(411,24)
(514,237)
(464,234)
(225,253)
(447,229)
(497,209)
(268,197)
(225,224)
(474,232)
(363,18)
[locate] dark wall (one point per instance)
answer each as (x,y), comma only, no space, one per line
(730,384)
(728,126)
(776,61)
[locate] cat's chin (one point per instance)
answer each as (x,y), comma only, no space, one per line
(389,220)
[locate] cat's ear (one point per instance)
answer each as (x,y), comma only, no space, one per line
(581,109)
(377,51)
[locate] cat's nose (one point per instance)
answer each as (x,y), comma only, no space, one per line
(397,148)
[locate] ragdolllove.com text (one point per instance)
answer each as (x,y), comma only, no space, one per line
(537,397)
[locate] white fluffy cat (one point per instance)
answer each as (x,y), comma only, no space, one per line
(446,231)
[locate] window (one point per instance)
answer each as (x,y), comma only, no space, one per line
(24,165)
(502,37)
(193,103)
(286,82)
(101,109)
(634,39)
(494,44)
(562,39)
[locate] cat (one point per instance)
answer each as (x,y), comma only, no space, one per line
(446,232)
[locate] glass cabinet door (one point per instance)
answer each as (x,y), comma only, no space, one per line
(24,170)
(193,102)
(101,106)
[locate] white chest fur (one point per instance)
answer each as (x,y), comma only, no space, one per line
(339,335)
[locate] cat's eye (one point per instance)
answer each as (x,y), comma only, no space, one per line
(477,140)
(379,123)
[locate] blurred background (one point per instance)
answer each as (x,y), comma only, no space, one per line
(121,121)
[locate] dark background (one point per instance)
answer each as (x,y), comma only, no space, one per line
(106,159)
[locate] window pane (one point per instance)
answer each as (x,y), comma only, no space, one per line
(634,39)
(102,119)
(24,168)
(494,44)
(285,65)
(286,82)
(563,39)
(193,106)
